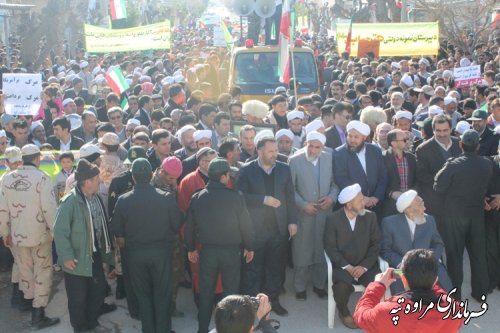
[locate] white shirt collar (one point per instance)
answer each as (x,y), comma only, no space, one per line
(447,147)
(412,225)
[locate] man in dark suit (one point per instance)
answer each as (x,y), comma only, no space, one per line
(77,91)
(62,139)
(269,193)
(361,163)
(463,183)
(401,170)
(431,156)
(408,230)
(336,134)
(488,140)
(352,241)
(145,109)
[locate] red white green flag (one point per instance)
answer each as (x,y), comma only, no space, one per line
(283,42)
(117,81)
(118,9)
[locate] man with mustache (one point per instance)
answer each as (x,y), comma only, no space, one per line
(408,230)
(352,241)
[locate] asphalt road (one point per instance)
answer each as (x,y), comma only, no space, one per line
(308,316)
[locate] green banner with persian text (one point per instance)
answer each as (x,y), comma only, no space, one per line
(147,37)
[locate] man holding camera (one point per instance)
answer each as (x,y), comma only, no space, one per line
(419,277)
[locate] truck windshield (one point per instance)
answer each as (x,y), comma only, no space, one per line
(258,73)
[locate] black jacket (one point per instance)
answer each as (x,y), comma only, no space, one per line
(155,230)
(333,137)
(464,181)
(171,106)
(251,183)
(488,143)
(230,226)
(75,144)
(119,185)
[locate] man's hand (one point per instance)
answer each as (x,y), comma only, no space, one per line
(487,206)
(495,202)
(325,202)
(370,202)
(395,195)
(70,264)
(386,277)
(310,209)
(248,255)
(7,241)
(350,270)
(193,256)
(292,229)
(264,307)
(358,272)
(272,202)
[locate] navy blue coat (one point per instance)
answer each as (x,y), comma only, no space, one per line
(347,170)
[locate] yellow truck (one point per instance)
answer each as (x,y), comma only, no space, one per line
(255,71)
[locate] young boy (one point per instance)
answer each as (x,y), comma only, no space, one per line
(67,161)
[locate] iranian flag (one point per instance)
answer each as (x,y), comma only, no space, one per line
(116,81)
(118,9)
(284,41)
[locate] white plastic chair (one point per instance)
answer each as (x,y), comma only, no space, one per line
(332,306)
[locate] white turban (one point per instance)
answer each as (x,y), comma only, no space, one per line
(255,108)
(167,81)
(424,61)
(67,101)
(462,126)
(398,93)
(464,62)
(34,125)
(449,99)
(435,110)
(362,128)
(264,134)
(314,125)
(407,80)
(396,65)
(404,114)
(294,115)
(178,78)
(3,134)
(448,73)
(349,193)
(405,200)
(284,132)
(84,64)
(202,134)
(183,130)
(316,136)
(145,78)
(133,121)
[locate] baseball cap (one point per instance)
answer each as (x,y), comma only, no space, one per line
(30,149)
(89,149)
(134,153)
(479,115)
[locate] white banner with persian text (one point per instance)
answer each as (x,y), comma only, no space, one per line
(22,93)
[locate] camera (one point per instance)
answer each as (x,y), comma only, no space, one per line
(255,303)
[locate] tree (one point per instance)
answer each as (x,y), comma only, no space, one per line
(459,18)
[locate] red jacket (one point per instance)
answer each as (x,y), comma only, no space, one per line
(375,316)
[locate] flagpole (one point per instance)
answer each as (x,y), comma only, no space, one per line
(294,78)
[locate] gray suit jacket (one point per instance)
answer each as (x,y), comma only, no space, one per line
(396,238)
(307,245)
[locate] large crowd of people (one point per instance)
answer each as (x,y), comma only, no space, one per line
(388,157)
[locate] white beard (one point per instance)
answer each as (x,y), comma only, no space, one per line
(419,220)
(361,212)
(310,159)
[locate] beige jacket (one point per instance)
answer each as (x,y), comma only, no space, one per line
(27,206)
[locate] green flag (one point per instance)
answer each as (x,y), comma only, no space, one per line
(227,36)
